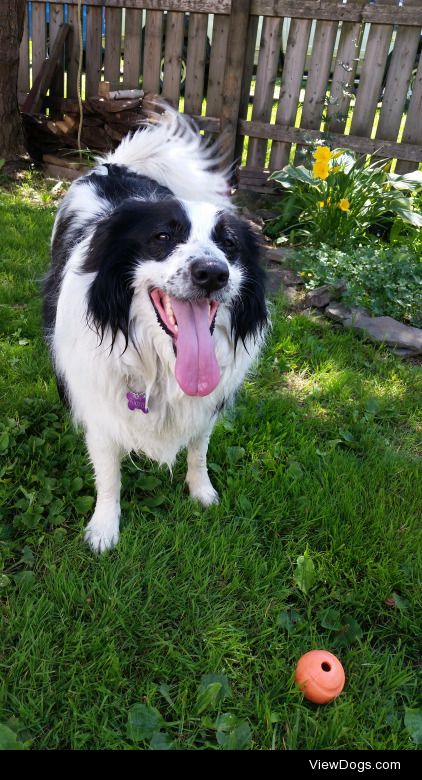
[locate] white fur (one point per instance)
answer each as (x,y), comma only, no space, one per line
(98,378)
(172,154)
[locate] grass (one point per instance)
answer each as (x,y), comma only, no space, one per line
(322,451)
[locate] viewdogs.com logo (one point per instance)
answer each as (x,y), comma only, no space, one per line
(359,766)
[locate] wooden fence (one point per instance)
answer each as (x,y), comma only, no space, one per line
(279,73)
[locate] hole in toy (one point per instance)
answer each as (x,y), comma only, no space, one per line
(326,667)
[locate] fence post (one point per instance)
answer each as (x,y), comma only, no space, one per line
(232,82)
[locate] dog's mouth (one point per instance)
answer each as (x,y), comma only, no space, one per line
(190,323)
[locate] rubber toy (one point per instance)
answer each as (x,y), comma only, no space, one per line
(320,676)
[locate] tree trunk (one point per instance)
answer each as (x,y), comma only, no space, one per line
(12,15)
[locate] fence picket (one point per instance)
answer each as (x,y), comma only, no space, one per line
(398,78)
(371,77)
(38,38)
(294,65)
(72,52)
(132,48)
(266,74)
(93,51)
(319,74)
(195,65)
(412,133)
(175,31)
(236,52)
(342,84)
(152,51)
(220,35)
(113,46)
(245,86)
(56,20)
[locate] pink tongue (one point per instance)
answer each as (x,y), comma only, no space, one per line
(197,370)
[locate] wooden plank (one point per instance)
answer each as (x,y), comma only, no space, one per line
(152,52)
(371,76)
(39,50)
(266,74)
(72,53)
(407,151)
(56,21)
(190,6)
(195,65)
(412,133)
(175,30)
(113,46)
(399,72)
(342,84)
(93,52)
(42,81)
(245,90)
(220,36)
(294,66)
(236,51)
(410,14)
(23,73)
(319,73)
(132,48)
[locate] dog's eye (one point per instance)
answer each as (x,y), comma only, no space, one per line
(228,243)
(163,237)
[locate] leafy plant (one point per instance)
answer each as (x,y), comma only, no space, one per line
(305,575)
(342,200)
(385,280)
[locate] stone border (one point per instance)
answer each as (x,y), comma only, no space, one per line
(404,340)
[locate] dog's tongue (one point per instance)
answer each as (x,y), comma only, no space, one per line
(197,370)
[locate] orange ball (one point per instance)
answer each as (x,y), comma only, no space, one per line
(320,676)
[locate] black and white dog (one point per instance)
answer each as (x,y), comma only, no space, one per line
(154,308)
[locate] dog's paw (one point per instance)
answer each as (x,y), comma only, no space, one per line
(204,493)
(102,532)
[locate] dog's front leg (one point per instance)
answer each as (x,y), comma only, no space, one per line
(102,532)
(200,486)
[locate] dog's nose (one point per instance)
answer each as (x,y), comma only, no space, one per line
(209,274)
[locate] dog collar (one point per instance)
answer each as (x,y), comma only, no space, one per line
(137,401)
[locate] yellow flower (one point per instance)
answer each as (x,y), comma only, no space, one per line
(321,204)
(335,168)
(322,154)
(344,204)
(320,170)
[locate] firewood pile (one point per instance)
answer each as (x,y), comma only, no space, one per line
(107,118)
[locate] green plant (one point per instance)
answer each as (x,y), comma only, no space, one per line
(341,199)
(386,280)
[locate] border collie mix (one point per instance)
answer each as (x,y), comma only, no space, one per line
(154,308)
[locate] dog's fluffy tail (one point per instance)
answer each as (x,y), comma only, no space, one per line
(172,152)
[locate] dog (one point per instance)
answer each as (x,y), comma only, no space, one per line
(154,307)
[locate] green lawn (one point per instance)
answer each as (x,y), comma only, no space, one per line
(322,451)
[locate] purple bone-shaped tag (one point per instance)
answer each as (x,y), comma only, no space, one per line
(136,401)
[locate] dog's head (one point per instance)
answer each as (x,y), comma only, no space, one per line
(174,265)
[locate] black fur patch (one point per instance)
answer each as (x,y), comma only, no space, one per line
(241,245)
(121,183)
(136,231)
(117,185)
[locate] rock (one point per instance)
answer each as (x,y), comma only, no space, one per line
(346,315)
(280,255)
(321,296)
(406,340)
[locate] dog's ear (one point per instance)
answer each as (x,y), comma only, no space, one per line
(249,311)
(112,254)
